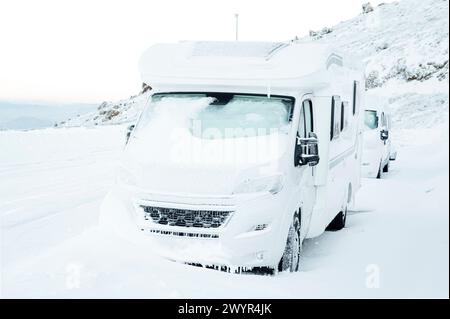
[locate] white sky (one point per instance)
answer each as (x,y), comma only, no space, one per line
(87,51)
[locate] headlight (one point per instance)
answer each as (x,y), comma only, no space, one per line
(272,184)
(124,176)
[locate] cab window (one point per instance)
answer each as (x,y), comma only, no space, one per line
(344,119)
(307,107)
(370,119)
(335,127)
(306,123)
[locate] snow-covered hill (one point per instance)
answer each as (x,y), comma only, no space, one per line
(119,112)
(406,49)
(406,40)
(405,45)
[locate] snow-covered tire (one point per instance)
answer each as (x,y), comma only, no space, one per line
(339,221)
(291,256)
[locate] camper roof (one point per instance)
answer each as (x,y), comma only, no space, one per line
(275,64)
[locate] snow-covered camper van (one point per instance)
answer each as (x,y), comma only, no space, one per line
(377,150)
(244,150)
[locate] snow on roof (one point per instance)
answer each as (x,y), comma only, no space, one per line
(235,63)
(236,49)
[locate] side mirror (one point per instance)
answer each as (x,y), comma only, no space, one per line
(384,135)
(308,150)
(129,130)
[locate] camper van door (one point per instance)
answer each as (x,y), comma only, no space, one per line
(304,173)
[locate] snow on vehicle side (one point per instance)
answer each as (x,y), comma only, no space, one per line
(377,151)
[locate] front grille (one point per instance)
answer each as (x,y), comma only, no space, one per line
(182,234)
(185,217)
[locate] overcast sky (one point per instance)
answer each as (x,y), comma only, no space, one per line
(87,51)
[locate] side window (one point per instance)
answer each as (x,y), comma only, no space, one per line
(305,124)
(383,120)
(301,123)
(355,97)
(309,123)
(343,117)
(335,127)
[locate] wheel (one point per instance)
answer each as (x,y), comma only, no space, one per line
(386,168)
(291,256)
(339,221)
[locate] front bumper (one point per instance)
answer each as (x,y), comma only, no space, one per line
(252,236)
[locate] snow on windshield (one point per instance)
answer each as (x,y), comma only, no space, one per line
(218,115)
(216,128)
(165,113)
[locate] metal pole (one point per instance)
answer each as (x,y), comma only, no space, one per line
(236,15)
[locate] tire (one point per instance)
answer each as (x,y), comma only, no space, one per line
(339,221)
(386,168)
(291,256)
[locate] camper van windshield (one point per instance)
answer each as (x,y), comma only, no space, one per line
(220,115)
(371,119)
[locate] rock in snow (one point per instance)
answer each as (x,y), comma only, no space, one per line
(367,7)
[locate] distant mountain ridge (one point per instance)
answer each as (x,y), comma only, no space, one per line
(28,115)
(26,123)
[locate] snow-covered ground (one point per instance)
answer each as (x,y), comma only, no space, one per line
(396,243)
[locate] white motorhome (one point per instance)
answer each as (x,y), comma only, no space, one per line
(244,150)
(377,150)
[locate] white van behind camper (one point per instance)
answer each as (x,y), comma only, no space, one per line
(377,151)
(244,150)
